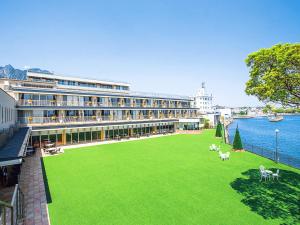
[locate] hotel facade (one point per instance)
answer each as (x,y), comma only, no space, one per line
(68,110)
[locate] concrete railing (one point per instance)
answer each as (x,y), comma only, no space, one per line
(30,102)
(94,119)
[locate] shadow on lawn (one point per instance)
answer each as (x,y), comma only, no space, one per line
(47,190)
(271,199)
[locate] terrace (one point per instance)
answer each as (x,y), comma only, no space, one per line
(96,117)
(167,180)
(92,119)
(124,102)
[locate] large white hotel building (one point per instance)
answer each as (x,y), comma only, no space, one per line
(69,110)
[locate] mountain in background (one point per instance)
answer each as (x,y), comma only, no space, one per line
(10,72)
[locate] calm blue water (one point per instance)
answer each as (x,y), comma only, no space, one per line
(260,132)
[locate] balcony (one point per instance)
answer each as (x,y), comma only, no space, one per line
(91,119)
(50,103)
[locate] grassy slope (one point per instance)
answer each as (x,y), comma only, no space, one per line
(166,180)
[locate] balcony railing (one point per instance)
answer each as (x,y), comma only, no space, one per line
(94,119)
(30,102)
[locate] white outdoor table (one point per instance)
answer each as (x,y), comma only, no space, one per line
(51,149)
(269,172)
(49,145)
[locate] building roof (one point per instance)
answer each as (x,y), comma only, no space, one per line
(101,93)
(72,78)
(8,95)
(13,151)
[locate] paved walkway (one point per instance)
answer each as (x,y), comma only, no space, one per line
(32,184)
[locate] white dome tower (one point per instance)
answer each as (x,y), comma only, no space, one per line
(203,101)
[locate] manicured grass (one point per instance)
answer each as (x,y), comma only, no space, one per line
(167,180)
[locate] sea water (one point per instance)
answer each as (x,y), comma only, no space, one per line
(260,132)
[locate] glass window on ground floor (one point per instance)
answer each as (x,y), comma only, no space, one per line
(95,135)
(52,138)
(68,138)
(35,141)
(85,135)
(44,138)
(59,139)
(81,137)
(126,132)
(88,136)
(110,134)
(188,126)
(75,137)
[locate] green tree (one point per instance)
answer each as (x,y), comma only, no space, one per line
(219,130)
(268,109)
(275,74)
(279,110)
(237,142)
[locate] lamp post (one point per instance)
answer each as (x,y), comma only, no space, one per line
(276,153)
(224,127)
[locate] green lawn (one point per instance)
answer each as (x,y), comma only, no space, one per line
(167,180)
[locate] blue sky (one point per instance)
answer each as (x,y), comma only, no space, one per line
(158,46)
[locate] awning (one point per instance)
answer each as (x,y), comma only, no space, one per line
(13,152)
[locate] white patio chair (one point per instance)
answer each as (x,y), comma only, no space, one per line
(223,157)
(227,155)
(264,175)
(275,175)
(261,168)
(220,154)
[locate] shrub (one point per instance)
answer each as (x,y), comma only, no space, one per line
(237,142)
(219,130)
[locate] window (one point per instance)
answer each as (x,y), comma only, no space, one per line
(50,113)
(95,135)
(71,113)
(27,96)
(87,98)
(89,113)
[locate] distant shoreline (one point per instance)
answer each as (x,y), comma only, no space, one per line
(250,117)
